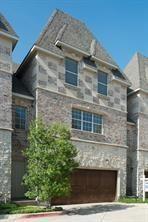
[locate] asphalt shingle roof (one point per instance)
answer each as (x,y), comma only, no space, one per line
(6,27)
(73,32)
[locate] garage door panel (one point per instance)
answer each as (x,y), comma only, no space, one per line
(91,186)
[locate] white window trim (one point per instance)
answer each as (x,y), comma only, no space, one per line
(92,123)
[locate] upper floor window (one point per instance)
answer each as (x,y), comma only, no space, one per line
(102,83)
(20,117)
(86,121)
(71,71)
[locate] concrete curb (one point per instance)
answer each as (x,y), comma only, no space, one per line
(44,214)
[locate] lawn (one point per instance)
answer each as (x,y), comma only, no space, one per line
(132,200)
(12,208)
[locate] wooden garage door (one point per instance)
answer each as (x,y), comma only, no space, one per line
(90,186)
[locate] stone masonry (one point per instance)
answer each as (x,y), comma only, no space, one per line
(39,85)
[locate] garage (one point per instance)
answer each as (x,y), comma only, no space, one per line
(90,186)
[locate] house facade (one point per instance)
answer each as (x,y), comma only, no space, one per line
(68,77)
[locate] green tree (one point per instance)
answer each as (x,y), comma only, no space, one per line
(50,161)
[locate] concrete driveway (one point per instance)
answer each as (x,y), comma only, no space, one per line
(108,212)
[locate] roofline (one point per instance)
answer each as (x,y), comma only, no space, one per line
(22,96)
(137,90)
(12,37)
(120,81)
(85,66)
(131,123)
(60,43)
(34,49)
(106,63)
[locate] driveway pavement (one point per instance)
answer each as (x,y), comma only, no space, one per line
(108,212)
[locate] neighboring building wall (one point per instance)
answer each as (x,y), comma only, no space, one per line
(19,143)
(5,117)
(138,112)
(143,148)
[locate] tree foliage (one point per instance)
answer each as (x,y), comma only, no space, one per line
(50,161)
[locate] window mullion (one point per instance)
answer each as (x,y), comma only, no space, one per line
(92,123)
(81,120)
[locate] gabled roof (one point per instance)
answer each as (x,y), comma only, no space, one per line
(137,71)
(6,27)
(73,32)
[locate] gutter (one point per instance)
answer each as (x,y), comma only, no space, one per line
(137,191)
(22,96)
(37,48)
(137,90)
(120,81)
(59,43)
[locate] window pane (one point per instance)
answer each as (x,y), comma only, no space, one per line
(97,128)
(76,124)
(97,119)
(102,89)
(87,126)
(102,77)
(76,114)
(71,78)
(20,117)
(87,116)
(71,65)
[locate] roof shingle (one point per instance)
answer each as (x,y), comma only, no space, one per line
(73,32)
(6,27)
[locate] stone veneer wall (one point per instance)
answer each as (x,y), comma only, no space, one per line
(97,151)
(143,149)
(53,107)
(102,156)
(5,134)
(19,143)
(19,136)
(51,75)
(131,159)
(138,111)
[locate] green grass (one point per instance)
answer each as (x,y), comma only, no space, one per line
(11,208)
(132,200)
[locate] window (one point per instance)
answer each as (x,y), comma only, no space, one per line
(86,121)
(20,117)
(71,71)
(102,83)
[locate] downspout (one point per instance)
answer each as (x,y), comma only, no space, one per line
(137,191)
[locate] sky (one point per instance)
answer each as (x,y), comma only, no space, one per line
(120,25)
